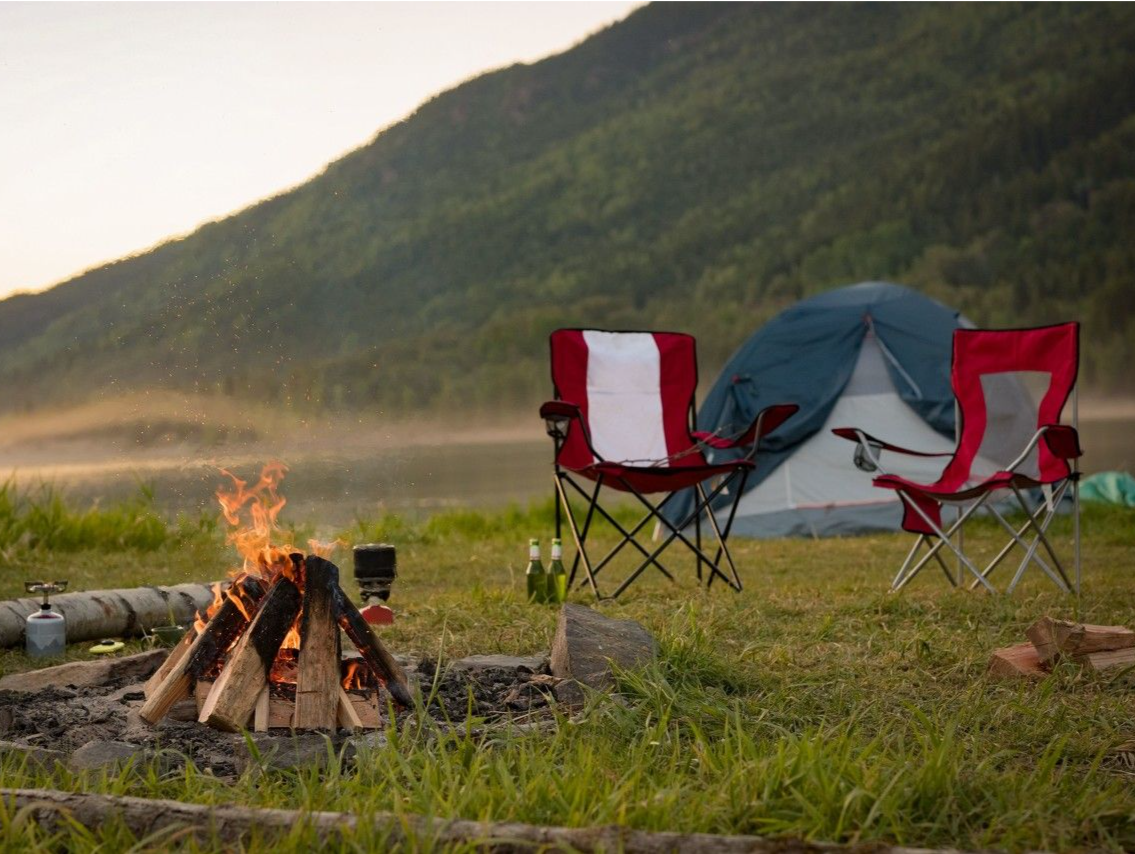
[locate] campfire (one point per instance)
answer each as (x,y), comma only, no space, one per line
(267,651)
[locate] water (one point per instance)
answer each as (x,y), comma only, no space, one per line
(330,492)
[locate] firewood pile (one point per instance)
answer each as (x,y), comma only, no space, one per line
(270,656)
(1100,649)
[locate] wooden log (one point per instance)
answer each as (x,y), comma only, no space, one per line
(231,826)
(1110,660)
(1019,660)
(206,649)
(175,655)
(347,717)
(1054,639)
(97,614)
(317,682)
(234,694)
(374,653)
(83,674)
(260,713)
(366,707)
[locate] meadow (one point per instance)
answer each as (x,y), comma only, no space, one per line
(812,705)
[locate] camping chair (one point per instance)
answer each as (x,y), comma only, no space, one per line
(1014,465)
(622,418)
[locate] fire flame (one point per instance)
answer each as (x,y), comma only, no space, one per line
(355,676)
(253,514)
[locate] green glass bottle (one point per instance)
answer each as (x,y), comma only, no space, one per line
(557,577)
(536,576)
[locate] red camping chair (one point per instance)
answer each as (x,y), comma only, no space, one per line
(1044,459)
(623,417)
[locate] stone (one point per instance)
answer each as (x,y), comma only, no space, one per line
(86,674)
(111,755)
(586,643)
(37,756)
(281,753)
(515,663)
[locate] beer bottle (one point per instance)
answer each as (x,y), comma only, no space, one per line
(536,576)
(557,577)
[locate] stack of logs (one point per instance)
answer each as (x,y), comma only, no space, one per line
(1102,649)
(228,665)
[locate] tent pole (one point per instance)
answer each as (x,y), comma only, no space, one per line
(1076,488)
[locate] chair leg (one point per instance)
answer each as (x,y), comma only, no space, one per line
(1017,540)
(580,551)
(1040,539)
(723,536)
(944,540)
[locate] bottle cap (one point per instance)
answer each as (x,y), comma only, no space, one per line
(533,542)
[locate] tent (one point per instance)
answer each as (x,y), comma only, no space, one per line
(873,355)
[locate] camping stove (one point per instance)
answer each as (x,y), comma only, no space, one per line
(376,567)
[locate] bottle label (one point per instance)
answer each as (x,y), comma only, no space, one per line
(557,551)
(533,549)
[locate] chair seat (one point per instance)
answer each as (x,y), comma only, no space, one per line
(998,480)
(649,479)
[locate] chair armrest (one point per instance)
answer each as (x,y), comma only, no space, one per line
(561,408)
(854,434)
(767,420)
(1063,441)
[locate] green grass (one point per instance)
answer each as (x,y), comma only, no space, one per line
(814,704)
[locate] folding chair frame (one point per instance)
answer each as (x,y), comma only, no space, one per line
(702,505)
(968,506)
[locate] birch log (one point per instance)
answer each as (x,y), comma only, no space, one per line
(98,614)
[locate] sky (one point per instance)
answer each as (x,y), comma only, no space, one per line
(123,124)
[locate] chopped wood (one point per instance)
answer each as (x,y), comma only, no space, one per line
(232,826)
(206,649)
(175,655)
(380,661)
(234,694)
(317,683)
(347,717)
(260,713)
(1019,660)
(1054,639)
(1108,660)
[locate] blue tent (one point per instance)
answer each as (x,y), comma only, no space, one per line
(873,355)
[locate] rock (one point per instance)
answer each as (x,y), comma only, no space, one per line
(95,755)
(585,644)
(515,663)
(37,756)
(278,753)
(85,674)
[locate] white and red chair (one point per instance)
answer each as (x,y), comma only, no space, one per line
(623,419)
(1043,459)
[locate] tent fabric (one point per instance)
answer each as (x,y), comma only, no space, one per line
(875,355)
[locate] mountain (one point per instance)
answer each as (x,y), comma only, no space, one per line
(694,167)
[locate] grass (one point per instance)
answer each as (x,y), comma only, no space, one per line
(812,705)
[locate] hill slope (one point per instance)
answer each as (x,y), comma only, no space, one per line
(694,167)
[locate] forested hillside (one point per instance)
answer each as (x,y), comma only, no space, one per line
(696,167)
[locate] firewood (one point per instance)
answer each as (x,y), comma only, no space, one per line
(260,714)
(380,661)
(234,694)
(210,645)
(1016,661)
(317,685)
(1054,639)
(1109,660)
(347,717)
(175,655)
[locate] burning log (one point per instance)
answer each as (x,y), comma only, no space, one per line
(373,652)
(234,694)
(317,685)
(212,643)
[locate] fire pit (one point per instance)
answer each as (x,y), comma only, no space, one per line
(267,653)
